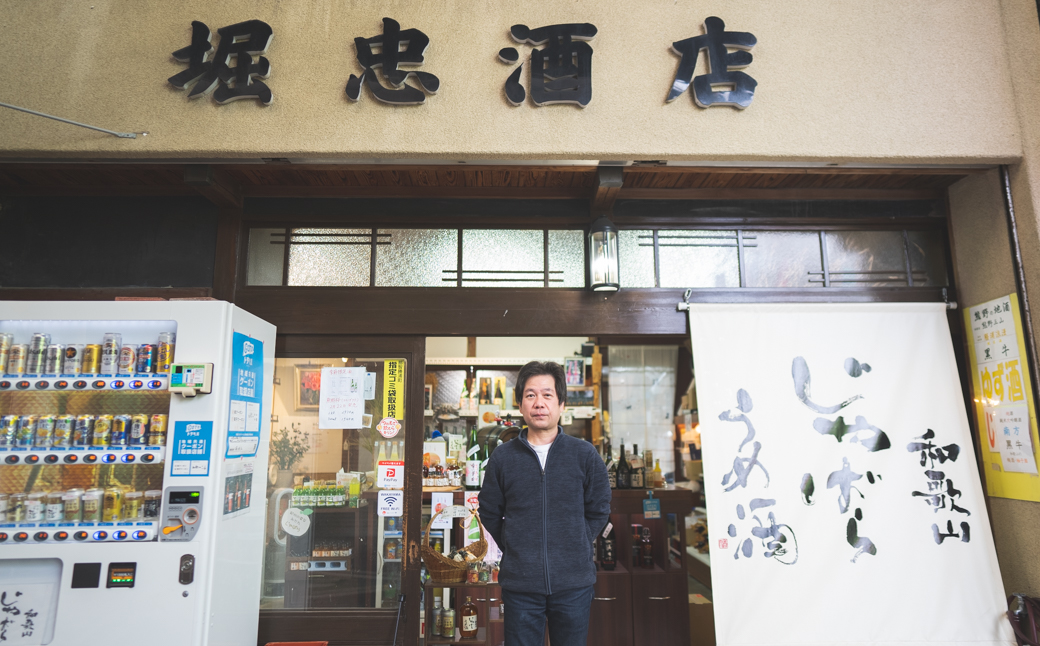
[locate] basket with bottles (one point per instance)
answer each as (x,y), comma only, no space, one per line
(452,568)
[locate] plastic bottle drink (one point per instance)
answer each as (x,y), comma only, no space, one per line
(355,492)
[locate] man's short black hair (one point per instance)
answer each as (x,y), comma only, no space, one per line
(535,368)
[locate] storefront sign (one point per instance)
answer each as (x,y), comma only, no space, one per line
(1004,406)
(566,78)
(717,42)
(839,464)
(388,427)
(388,59)
(215,75)
(391,503)
(390,474)
(393,382)
(340,402)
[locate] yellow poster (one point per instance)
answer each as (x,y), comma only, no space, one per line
(1004,408)
(393,388)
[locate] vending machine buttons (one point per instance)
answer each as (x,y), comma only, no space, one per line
(71,459)
(116,385)
(61,385)
(187,573)
(80,536)
(4,385)
(40,536)
(79,384)
(32,459)
(137,384)
(120,535)
(140,535)
(61,536)
(99,384)
(22,385)
(51,459)
(121,575)
(108,458)
(11,459)
(148,457)
(3,536)
(21,537)
(42,385)
(129,457)
(90,458)
(155,384)
(100,535)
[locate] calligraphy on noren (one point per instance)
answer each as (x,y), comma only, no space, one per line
(389,59)
(231,73)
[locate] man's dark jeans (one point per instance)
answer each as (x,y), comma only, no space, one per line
(567,613)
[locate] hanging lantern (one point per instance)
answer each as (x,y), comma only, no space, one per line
(603,256)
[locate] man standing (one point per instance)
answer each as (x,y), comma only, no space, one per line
(544,499)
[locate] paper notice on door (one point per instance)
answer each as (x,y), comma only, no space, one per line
(237,422)
(441,500)
(341,403)
(1009,431)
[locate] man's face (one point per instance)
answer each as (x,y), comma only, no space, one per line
(540,406)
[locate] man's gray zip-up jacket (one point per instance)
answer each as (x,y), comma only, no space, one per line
(545,522)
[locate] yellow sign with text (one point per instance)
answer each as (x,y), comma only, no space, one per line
(393,388)
(1004,406)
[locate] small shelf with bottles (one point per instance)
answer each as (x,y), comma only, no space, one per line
(473,614)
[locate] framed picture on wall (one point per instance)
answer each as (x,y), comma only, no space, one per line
(575,369)
(307,386)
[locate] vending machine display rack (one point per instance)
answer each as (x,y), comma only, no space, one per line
(146,382)
(83,455)
(35,533)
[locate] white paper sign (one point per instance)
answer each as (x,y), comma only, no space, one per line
(839,465)
(252,417)
(439,501)
(391,503)
(242,445)
(340,403)
(295,522)
(1009,435)
(390,474)
(26,610)
(238,416)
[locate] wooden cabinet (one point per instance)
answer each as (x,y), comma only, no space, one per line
(611,608)
(660,599)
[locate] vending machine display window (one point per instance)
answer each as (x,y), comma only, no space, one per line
(335,535)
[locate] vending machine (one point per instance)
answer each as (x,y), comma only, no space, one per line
(133,472)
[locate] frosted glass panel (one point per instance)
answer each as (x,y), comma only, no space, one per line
(928,258)
(416,257)
(642,399)
(636,255)
(698,258)
(266,259)
(866,258)
(566,259)
(330,257)
(774,259)
(502,258)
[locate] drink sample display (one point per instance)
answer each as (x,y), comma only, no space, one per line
(42,357)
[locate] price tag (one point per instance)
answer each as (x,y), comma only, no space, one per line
(295,522)
(390,475)
(458,511)
(388,427)
(651,508)
(610,526)
(391,503)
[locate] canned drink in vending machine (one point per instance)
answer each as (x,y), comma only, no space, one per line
(73,364)
(6,341)
(17,359)
(120,431)
(26,431)
(102,430)
(34,507)
(53,358)
(37,353)
(91,505)
(73,510)
(3,507)
(157,430)
(83,434)
(152,503)
(64,427)
(112,505)
(127,360)
(111,348)
(167,344)
(139,430)
(54,507)
(132,504)
(8,430)
(146,358)
(91,364)
(16,508)
(44,431)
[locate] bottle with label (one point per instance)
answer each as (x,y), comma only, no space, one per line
(658,475)
(608,460)
(499,397)
(473,461)
(464,397)
(354,491)
(483,463)
(636,479)
(448,623)
(608,548)
(395,454)
(381,454)
(637,545)
(646,549)
(624,471)
(468,617)
(435,629)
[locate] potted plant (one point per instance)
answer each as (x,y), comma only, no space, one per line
(287,447)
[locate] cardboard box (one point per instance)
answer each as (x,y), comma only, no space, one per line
(702,621)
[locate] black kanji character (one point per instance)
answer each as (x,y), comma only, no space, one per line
(242,42)
(721,67)
(561,72)
(389,58)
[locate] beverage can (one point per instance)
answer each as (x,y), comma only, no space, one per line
(34,507)
(72,510)
(8,430)
(110,350)
(16,508)
(102,430)
(37,353)
(64,427)
(91,363)
(152,503)
(83,435)
(54,509)
(127,360)
(112,505)
(17,359)
(73,363)
(157,430)
(6,341)
(139,430)
(3,507)
(26,431)
(132,504)
(53,358)
(91,505)
(120,431)
(167,345)
(146,358)
(44,431)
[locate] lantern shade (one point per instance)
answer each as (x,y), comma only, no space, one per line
(603,256)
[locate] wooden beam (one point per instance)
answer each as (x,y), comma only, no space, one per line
(428,192)
(779,194)
(226,254)
(609,180)
(203,179)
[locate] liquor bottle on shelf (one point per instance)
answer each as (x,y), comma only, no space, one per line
(435,629)
(381,455)
(637,478)
(637,545)
(646,549)
(608,550)
(473,461)
(658,475)
(624,471)
(468,617)
(464,397)
(483,463)
(611,467)
(499,397)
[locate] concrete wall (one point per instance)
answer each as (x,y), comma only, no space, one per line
(881,81)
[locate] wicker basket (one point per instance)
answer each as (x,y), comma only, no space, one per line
(443,569)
